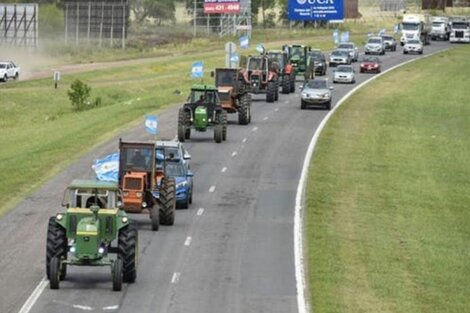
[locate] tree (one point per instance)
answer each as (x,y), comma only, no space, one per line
(158,9)
(256,5)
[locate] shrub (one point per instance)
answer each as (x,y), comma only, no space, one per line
(79,95)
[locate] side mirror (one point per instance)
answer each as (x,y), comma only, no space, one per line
(332,88)
(190,174)
(187,156)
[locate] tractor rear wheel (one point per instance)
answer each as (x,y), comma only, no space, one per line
(218,133)
(276,90)
(117,275)
(270,92)
(187,122)
(54,269)
(56,246)
(286,84)
(243,110)
(168,201)
(292,82)
(224,125)
(127,252)
(155,216)
(181,125)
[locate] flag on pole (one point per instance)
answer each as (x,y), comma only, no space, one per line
(197,70)
(151,124)
(244,42)
(107,169)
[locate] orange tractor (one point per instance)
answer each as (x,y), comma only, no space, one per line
(261,75)
(144,184)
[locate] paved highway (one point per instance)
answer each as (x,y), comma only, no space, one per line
(231,251)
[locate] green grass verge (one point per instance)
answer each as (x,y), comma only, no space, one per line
(387,219)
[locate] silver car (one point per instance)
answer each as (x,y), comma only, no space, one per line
(344,74)
(339,56)
(316,92)
(351,48)
(413,46)
(375,45)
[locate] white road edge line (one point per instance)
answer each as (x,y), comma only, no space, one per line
(265,118)
(234,153)
(28,305)
(224,170)
(110,308)
(302,302)
(244,140)
(188,240)
(175,278)
(200,211)
(212,189)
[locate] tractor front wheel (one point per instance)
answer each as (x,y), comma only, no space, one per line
(155,217)
(56,246)
(243,110)
(127,252)
(181,125)
(54,273)
(286,84)
(117,275)
(270,92)
(224,125)
(218,133)
(167,201)
(292,82)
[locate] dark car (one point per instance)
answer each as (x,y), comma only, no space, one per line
(389,42)
(370,64)
(319,61)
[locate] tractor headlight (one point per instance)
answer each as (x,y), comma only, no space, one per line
(125,219)
(59,217)
(144,204)
(72,249)
(138,194)
(125,193)
(100,250)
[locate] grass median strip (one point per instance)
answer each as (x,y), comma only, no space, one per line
(388,215)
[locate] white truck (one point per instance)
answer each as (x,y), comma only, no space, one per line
(440,28)
(9,70)
(416,26)
(459,31)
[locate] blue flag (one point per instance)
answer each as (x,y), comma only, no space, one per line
(260,48)
(234,58)
(336,36)
(151,124)
(197,70)
(344,36)
(244,42)
(107,169)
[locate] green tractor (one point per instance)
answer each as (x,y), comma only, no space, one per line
(202,111)
(298,57)
(92,228)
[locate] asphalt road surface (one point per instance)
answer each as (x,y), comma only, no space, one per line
(231,251)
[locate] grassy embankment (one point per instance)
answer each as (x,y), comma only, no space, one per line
(387,223)
(40,134)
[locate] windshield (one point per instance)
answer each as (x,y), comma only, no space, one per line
(374,40)
(414,41)
(346,46)
(175,169)
(410,26)
(137,158)
(438,24)
(316,84)
(371,59)
(459,25)
(3,65)
(344,69)
(255,64)
(340,53)
(388,38)
(317,57)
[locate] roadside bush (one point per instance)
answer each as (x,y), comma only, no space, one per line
(79,95)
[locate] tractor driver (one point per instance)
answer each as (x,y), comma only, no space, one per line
(138,159)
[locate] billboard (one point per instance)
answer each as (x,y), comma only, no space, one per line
(316,10)
(221,6)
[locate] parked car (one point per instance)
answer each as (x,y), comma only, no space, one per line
(344,74)
(316,92)
(413,46)
(389,42)
(339,56)
(375,45)
(9,70)
(370,64)
(319,61)
(352,49)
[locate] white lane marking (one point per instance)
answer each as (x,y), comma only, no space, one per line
(302,303)
(110,308)
(28,305)
(187,242)
(286,101)
(224,170)
(234,153)
(83,307)
(255,128)
(212,189)
(175,278)
(276,109)
(244,140)
(200,211)
(265,118)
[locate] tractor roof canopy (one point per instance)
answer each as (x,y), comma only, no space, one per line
(93,184)
(201,87)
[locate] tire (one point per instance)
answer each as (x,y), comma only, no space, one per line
(17,76)
(303,105)
(5,78)
(187,123)
(167,201)
(270,92)
(243,110)
(54,269)
(117,275)
(328,105)
(56,246)
(218,133)
(276,91)
(155,216)
(286,84)
(224,125)
(292,82)
(128,244)
(181,125)
(190,200)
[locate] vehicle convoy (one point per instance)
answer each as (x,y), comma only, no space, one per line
(298,57)
(261,75)
(9,70)
(233,93)
(201,112)
(440,28)
(144,183)
(286,70)
(459,31)
(416,26)
(93,228)
(316,92)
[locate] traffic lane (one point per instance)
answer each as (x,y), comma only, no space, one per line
(164,253)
